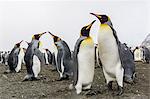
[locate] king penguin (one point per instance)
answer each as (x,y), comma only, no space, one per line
(64,60)
(109,54)
(33,58)
(49,56)
(15,58)
(83,56)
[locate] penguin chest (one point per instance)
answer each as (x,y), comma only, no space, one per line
(36,65)
(20,60)
(86,61)
(86,50)
(106,37)
(108,48)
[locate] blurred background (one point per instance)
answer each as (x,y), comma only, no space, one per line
(19,20)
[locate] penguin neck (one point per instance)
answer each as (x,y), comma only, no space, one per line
(109,23)
(14,49)
(35,43)
(66,49)
(35,40)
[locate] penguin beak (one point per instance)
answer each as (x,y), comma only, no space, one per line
(27,42)
(20,42)
(42,33)
(90,25)
(51,34)
(98,16)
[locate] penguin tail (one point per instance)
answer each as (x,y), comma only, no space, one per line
(9,71)
(30,78)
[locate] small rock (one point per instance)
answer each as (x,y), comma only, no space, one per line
(5,76)
(43,95)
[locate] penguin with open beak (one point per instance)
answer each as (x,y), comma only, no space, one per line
(33,58)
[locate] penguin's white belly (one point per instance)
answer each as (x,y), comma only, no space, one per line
(46,58)
(86,65)
(108,50)
(138,55)
(20,60)
(36,65)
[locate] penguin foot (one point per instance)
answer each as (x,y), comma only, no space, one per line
(62,78)
(34,79)
(120,91)
(25,80)
(128,80)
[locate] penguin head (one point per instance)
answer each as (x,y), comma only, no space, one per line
(102,18)
(37,36)
(18,44)
(86,29)
(56,38)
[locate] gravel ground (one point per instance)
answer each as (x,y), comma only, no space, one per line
(12,87)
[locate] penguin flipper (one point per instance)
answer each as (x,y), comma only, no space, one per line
(40,55)
(75,60)
(115,34)
(59,59)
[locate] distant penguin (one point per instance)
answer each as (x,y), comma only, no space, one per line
(33,58)
(146,53)
(97,58)
(45,56)
(64,61)
(15,58)
(5,58)
(49,56)
(1,57)
(109,54)
(127,61)
(54,61)
(138,54)
(24,50)
(83,55)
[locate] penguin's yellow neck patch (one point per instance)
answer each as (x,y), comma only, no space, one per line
(40,44)
(33,37)
(104,26)
(87,41)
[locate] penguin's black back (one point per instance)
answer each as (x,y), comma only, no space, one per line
(13,58)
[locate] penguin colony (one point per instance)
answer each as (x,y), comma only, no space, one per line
(115,58)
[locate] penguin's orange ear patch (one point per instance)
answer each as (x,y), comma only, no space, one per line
(58,39)
(33,37)
(99,16)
